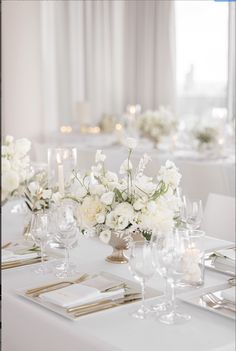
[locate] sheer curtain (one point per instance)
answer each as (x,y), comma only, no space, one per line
(109,53)
(231,63)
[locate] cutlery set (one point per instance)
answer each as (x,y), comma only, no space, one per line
(215,302)
(88,308)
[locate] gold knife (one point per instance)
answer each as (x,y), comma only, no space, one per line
(105,306)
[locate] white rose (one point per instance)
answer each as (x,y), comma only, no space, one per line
(88,211)
(107,198)
(22,146)
(99,157)
(105,236)
(10,181)
(125,209)
(6,166)
(131,143)
(116,221)
(100,218)
(126,166)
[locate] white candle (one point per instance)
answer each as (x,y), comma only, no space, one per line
(61,179)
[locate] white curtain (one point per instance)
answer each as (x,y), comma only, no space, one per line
(109,53)
(231,63)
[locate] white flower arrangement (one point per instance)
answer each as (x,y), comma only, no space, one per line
(15,165)
(206,136)
(38,195)
(130,202)
(156,124)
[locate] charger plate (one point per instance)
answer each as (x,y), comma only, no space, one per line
(195,298)
(130,285)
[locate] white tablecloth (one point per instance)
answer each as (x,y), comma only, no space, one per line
(199,176)
(27,327)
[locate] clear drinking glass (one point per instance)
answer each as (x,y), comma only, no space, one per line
(41,234)
(170,260)
(67,236)
(142,268)
(192,213)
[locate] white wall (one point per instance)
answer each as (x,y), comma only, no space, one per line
(21,65)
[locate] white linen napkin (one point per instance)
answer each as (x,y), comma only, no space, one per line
(226,257)
(229,294)
(79,294)
(8,256)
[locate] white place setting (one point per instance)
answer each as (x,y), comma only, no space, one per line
(118,175)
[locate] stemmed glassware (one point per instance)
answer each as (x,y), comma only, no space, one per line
(142,268)
(192,213)
(169,252)
(66,235)
(41,234)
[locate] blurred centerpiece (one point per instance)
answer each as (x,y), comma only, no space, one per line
(155,125)
(118,208)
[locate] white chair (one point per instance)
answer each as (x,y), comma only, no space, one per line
(219,217)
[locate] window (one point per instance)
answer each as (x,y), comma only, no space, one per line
(202,57)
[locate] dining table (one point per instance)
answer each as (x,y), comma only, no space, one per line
(27,326)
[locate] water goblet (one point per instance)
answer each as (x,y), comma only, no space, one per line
(41,234)
(67,236)
(142,268)
(192,213)
(171,267)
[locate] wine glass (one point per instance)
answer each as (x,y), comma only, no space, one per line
(41,234)
(142,268)
(163,303)
(67,236)
(171,256)
(192,213)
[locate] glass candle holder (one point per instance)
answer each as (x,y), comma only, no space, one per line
(193,259)
(61,163)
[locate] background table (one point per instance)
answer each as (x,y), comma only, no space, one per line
(27,326)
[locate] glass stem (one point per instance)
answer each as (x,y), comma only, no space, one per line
(67,258)
(173,305)
(42,248)
(143,305)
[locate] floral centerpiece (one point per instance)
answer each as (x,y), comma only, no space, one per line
(157,124)
(15,166)
(117,208)
(206,137)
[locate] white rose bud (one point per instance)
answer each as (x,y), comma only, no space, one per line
(100,218)
(107,198)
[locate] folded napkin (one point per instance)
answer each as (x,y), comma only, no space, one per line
(229,294)
(226,257)
(8,256)
(79,294)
